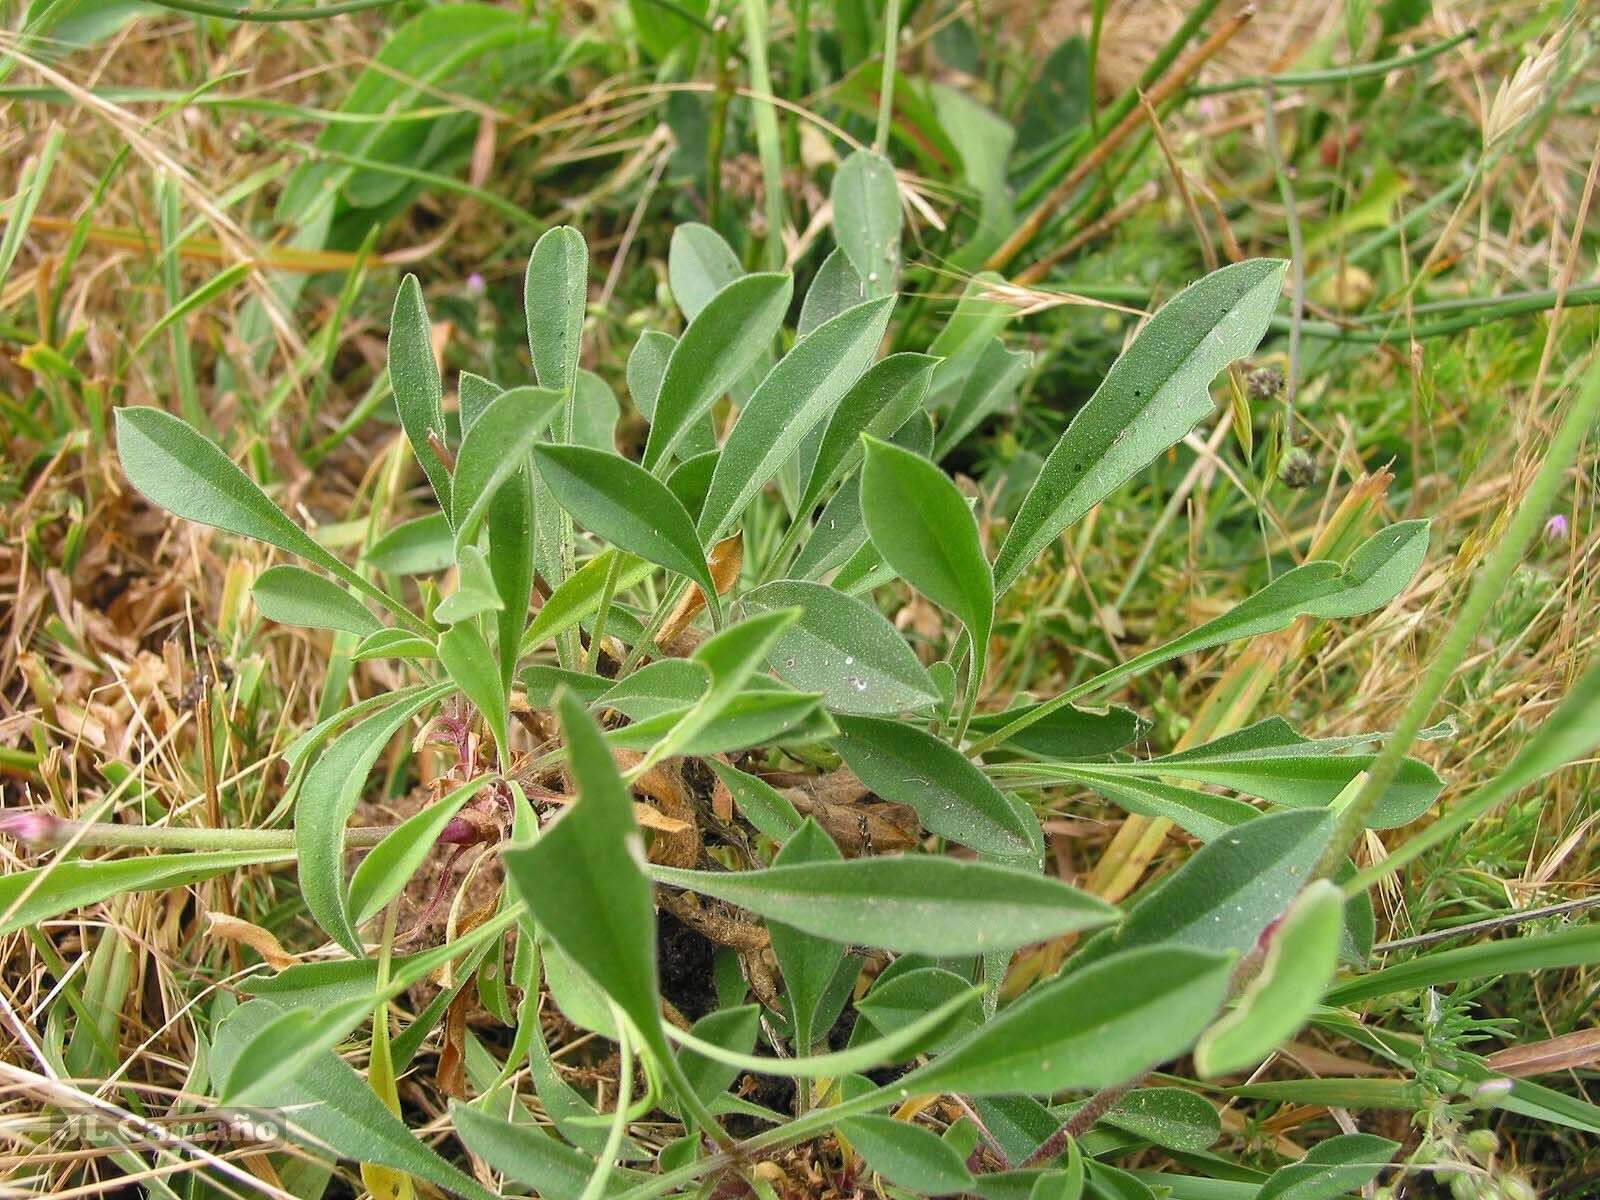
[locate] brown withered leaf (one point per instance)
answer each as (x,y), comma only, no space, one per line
(727,560)
(258,939)
(1569,1052)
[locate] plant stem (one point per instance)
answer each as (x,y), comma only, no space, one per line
(1334,75)
(172,837)
(891,45)
(766,121)
(1490,585)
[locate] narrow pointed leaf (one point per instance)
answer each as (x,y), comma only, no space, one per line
(418,392)
(496,448)
(414,547)
(391,863)
(879,403)
(729,334)
(951,796)
(579,596)
(1154,394)
(834,288)
(1096,1027)
(292,595)
(913,904)
(627,506)
(808,963)
(800,391)
(1337,1167)
(867,219)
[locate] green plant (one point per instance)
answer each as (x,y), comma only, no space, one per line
(719,601)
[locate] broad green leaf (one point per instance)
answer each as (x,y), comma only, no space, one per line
(914,904)
(595,412)
(393,643)
(666,685)
(766,808)
(555,294)
(879,403)
(800,391)
(185,473)
(690,480)
(1330,1169)
(1096,1027)
(495,449)
(844,649)
(418,392)
(924,530)
(808,963)
(292,595)
(31,896)
(414,547)
(699,265)
(524,1153)
(391,863)
(334,1106)
(867,219)
(583,884)
(728,335)
(1300,962)
(579,596)
(1155,393)
(1271,760)
(1229,891)
(322,984)
(328,798)
(908,1155)
(627,506)
(1575,947)
(471,665)
(951,796)
(834,288)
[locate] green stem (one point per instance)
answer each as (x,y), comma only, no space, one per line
(766,120)
(315,12)
(1528,515)
(607,594)
(172,837)
(891,46)
(1335,75)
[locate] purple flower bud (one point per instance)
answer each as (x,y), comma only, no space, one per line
(34,826)
(458,831)
(476,285)
(1556,529)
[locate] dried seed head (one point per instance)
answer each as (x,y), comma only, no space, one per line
(1299,470)
(1264,383)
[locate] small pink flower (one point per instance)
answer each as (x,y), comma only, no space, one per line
(34,826)
(476,285)
(1556,529)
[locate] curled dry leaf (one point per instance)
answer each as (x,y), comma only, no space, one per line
(726,561)
(258,939)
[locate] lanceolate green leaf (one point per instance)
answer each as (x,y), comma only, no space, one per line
(336,1107)
(30,896)
(1377,571)
(914,904)
(328,798)
(292,595)
(1097,1027)
(418,392)
(923,528)
(495,448)
(388,865)
(627,506)
(189,476)
(583,884)
(732,331)
(994,380)
(1300,963)
(555,295)
(803,389)
(471,664)
(699,265)
(834,288)
(908,1155)
(808,962)
(579,596)
(844,649)
(867,219)
(1229,891)
(951,796)
(647,365)
(878,403)
(414,547)
(768,809)
(1156,392)
(1337,1167)
(523,1152)
(1576,947)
